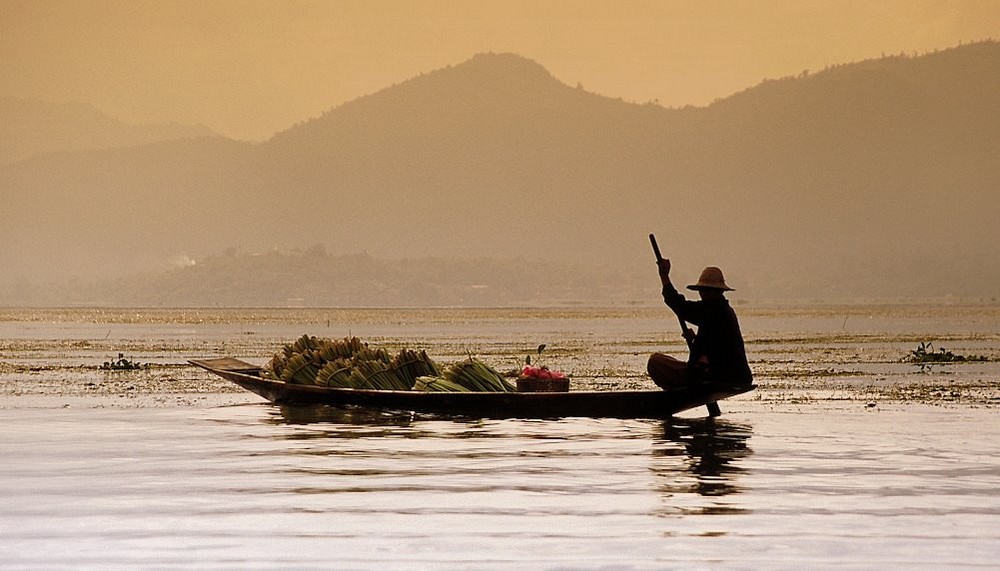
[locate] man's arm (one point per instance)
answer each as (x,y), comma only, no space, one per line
(686,310)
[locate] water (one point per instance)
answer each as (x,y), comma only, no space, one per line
(258,486)
(844,458)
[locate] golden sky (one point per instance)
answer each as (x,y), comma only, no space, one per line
(249,68)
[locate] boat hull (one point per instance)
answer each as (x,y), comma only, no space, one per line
(596,404)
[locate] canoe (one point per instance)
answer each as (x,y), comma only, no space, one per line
(596,404)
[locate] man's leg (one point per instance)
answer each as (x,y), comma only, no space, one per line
(667,372)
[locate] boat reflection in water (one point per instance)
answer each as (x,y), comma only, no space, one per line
(303,415)
(696,463)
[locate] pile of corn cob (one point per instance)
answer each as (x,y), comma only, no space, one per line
(350,363)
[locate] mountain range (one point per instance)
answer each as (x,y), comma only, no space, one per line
(869,179)
(30,127)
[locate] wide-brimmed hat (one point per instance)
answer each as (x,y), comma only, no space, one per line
(711,278)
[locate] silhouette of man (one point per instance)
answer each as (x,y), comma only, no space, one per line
(717,353)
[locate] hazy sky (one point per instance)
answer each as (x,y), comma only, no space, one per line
(250,68)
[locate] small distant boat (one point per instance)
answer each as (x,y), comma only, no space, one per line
(595,404)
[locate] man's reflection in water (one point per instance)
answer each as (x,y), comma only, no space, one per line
(701,456)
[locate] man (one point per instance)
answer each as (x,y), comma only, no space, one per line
(717,352)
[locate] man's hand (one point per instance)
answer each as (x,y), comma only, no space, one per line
(663,266)
(689,336)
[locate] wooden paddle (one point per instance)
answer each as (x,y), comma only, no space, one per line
(713,407)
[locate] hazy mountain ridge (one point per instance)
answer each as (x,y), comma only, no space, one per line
(315,278)
(30,127)
(876,178)
(496,138)
(121,210)
(900,145)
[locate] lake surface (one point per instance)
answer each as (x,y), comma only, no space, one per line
(844,458)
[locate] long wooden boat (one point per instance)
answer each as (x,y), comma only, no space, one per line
(598,404)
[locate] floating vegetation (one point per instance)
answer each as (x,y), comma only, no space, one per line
(121,364)
(925,356)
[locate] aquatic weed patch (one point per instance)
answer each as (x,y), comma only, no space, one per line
(121,364)
(799,372)
(864,339)
(925,356)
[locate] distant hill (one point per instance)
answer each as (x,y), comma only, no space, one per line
(872,179)
(30,126)
(314,278)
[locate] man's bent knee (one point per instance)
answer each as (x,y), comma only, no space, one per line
(666,371)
